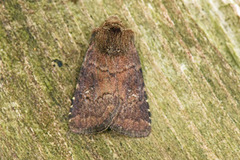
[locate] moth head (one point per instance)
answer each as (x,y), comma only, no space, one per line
(113,24)
(112,37)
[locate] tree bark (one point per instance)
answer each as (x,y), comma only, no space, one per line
(190,55)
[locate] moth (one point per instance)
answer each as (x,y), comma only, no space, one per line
(110,90)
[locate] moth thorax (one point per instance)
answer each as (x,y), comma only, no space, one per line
(114,40)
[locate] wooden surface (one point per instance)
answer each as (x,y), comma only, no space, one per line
(190,55)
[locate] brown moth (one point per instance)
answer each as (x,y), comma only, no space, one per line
(110,90)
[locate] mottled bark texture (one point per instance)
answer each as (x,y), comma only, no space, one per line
(189,53)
